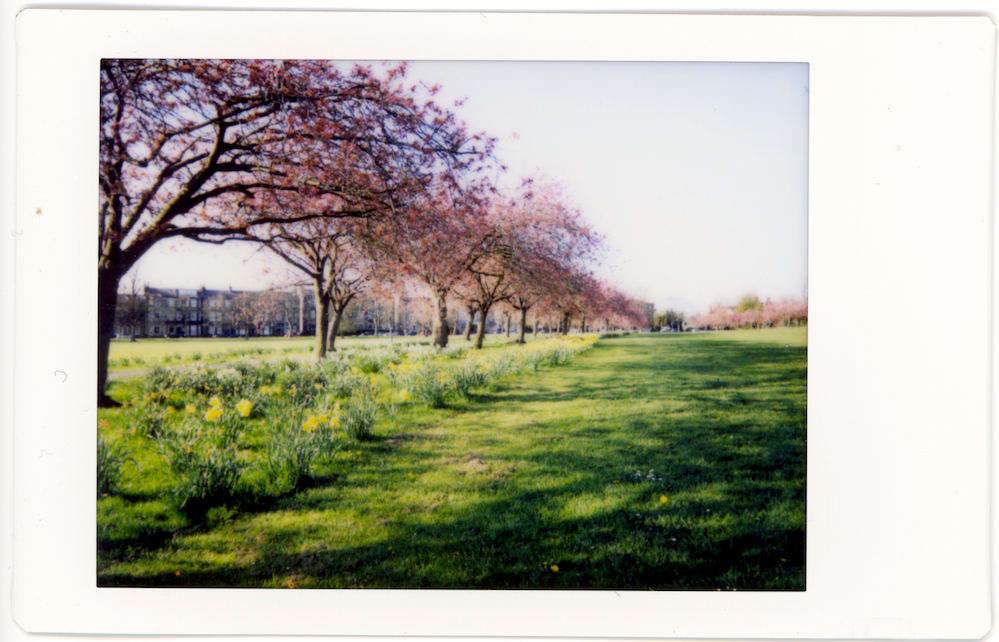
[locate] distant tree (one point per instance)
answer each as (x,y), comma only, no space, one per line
(434,238)
(321,249)
(748,302)
(471,310)
(548,241)
(671,319)
(241,313)
(132,307)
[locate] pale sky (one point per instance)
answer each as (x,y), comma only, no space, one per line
(697,173)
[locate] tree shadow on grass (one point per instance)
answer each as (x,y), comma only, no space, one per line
(730,459)
(514,542)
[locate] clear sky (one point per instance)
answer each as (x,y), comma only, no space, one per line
(697,173)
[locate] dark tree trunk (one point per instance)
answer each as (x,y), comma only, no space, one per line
(334,326)
(582,323)
(468,326)
(107,299)
(301,311)
(523,323)
(440,329)
(565,324)
(480,335)
(322,322)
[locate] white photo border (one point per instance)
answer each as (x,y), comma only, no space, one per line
(900,181)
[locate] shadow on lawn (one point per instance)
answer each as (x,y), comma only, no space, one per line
(512,542)
(732,461)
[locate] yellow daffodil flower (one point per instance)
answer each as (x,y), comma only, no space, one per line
(213,414)
(244,407)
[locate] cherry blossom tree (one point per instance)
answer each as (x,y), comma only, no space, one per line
(434,238)
(547,239)
(198,149)
(321,250)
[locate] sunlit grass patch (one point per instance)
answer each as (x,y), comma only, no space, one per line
(669,462)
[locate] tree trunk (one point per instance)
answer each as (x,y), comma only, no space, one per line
(440,327)
(582,324)
(107,299)
(535,327)
(301,311)
(334,327)
(508,324)
(480,335)
(523,323)
(468,326)
(565,324)
(322,322)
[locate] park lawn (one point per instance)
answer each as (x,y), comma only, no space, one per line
(142,354)
(650,461)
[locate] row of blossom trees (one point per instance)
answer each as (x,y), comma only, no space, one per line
(354,176)
(758,315)
(530,250)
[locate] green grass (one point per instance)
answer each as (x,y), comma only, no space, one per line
(540,471)
(142,354)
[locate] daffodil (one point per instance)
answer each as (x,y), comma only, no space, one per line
(323,419)
(311,424)
(405,395)
(191,409)
(216,402)
(663,499)
(555,568)
(213,414)
(244,407)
